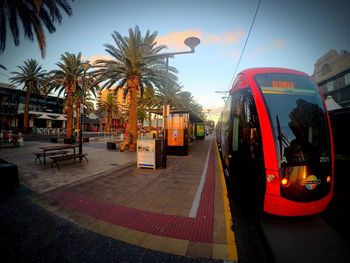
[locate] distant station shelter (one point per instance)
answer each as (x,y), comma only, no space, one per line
(180,128)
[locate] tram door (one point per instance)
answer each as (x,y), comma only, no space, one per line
(246,153)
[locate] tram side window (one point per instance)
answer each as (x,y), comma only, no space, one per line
(225,133)
(256,151)
(246,130)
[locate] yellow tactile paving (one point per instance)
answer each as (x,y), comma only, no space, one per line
(153,242)
(176,246)
(231,245)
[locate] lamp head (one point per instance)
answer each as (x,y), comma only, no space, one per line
(192,42)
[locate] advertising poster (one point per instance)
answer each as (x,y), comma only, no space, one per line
(200,129)
(176,126)
(145,153)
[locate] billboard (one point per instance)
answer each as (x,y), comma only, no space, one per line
(176,124)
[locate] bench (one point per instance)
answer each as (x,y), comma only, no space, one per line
(115,144)
(56,159)
(111,145)
(41,154)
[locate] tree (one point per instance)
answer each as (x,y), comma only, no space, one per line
(83,96)
(65,80)
(31,75)
(34,15)
(82,99)
(128,68)
(149,102)
(187,101)
(108,106)
(178,99)
(169,94)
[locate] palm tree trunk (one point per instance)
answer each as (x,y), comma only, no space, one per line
(109,120)
(69,125)
(149,121)
(133,116)
(133,84)
(26,110)
(77,116)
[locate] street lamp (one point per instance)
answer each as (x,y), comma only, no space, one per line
(224,92)
(191,42)
(85,67)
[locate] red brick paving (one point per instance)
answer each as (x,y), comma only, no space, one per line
(199,229)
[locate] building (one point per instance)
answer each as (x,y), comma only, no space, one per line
(332,74)
(44,112)
(123,104)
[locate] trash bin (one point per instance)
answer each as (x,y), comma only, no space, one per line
(111,145)
(8,175)
(149,153)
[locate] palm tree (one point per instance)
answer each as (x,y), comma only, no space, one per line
(169,94)
(129,69)
(34,15)
(85,99)
(187,101)
(65,80)
(31,75)
(108,106)
(83,96)
(178,99)
(150,102)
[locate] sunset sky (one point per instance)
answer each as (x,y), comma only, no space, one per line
(291,34)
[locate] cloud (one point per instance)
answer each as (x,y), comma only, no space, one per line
(271,46)
(175,40)
(94,58)
(278,43)
(234,54)
(229,37)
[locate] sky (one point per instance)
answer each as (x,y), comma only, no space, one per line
(290,34)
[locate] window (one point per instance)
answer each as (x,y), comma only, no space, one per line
(347,79)
(330,86)
(326,69)
(341,82)
(246,130)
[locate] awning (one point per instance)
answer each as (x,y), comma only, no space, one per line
(87,120)
(44,117)
(61,118)
(332,104)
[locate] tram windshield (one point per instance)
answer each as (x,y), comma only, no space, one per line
(298,118)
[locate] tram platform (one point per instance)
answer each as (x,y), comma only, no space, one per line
(182,210)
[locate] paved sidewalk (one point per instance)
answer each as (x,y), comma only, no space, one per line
(179,210)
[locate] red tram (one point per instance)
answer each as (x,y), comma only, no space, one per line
(275,141)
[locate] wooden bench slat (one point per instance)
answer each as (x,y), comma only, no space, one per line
(56,159)
(41,154)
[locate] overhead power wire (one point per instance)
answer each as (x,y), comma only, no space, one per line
(245,44)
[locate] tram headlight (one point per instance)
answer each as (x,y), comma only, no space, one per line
(284,182)
(328,179)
